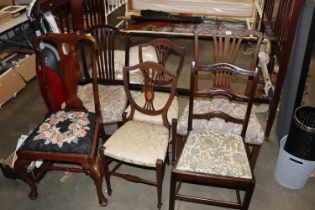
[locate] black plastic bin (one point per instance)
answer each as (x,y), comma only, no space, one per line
(301,139)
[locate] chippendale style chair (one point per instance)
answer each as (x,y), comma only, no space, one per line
(141,143)
(226,48)
(213,157)
(70,135)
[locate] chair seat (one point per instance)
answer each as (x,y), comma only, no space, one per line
(113,101)
(65,132)
(254,134)
(216,153)
(159,101)
(136,77)
(146,143)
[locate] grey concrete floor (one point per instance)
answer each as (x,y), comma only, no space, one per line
(23,113)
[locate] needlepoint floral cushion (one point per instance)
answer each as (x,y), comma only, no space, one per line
(254,133)
(217,153)
(63,131)
(139,143)
(113,101)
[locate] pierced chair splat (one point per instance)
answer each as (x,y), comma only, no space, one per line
(66,136)
(213,157)
(141,143)
(164,49)
(113,99)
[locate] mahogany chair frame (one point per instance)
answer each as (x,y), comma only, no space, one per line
(180,176)
(227,44)
(106,36)
(164,48)
(66,45)
(151,72)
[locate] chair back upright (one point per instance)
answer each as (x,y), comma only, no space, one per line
(222,92)
(68,47)
(151,73)
(164,48)
(107,37)
(226,49)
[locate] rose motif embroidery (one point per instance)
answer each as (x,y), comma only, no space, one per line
(49,131)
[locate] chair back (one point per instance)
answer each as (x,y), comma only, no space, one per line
(107,37)
(151,73)
(68,47)
(226,49)
(164,48)
(222,92)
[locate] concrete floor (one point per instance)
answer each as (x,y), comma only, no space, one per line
(23,113)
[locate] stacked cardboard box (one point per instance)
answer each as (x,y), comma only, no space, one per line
(14,79)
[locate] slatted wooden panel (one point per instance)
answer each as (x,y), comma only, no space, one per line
(61,9)
(94,12)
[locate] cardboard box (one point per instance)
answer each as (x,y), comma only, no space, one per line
(26,68)
(10,84)
(7,165)
(5,17)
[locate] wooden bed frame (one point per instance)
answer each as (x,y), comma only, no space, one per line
(279,22)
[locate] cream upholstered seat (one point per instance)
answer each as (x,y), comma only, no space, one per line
(254,134)
(158,102)
(215,152)
(113,101)
(147,142)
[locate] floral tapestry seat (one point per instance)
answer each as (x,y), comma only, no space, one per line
(254,134)
(215,152)
(113,101)
(65,132)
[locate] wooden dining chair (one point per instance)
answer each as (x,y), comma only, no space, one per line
(70,135)
(211,156)
(141,143)
(226,47)
(113,100)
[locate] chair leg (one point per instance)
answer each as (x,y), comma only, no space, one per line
(104,163)
(172,192)
(254,155)
(248,196)
(174,134)
(20,167)
(167,158)
(102,133)
(159,179)
(96,174)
